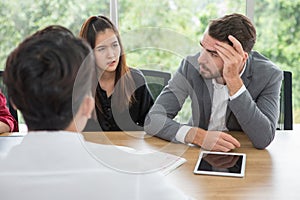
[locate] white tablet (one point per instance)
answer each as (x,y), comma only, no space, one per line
(221,164)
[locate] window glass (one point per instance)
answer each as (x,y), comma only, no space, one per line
(19,19)
(158,34)
(278,33)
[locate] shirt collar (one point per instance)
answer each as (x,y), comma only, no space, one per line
(244,68)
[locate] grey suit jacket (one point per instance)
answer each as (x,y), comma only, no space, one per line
(255,111)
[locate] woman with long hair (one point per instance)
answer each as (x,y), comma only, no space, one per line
(122,97)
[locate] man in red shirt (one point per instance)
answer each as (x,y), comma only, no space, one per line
(7,121)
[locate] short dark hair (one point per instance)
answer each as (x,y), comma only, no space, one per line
(41,74)
(236,25)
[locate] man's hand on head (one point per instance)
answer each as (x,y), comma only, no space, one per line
(234,58)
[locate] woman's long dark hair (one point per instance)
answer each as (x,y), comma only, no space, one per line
(89,30)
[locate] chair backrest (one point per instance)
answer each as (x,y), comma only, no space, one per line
(13,112)
(156,80)
(285,121)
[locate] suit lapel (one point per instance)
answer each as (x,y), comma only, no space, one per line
(208,100)
(246,77)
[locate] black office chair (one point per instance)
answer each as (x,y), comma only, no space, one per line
(156,80)
(13,112)
(285,121)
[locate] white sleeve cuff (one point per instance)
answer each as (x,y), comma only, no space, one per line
(238,93)
(181,133)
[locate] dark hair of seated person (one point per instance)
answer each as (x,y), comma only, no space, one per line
(43,79)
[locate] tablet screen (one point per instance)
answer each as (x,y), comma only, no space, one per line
(222,164)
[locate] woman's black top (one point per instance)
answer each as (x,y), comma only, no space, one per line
(129,119)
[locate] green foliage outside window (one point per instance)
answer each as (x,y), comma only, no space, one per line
(278,25)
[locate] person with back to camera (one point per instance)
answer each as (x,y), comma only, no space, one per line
(122,96)
(49,79)
(232,88)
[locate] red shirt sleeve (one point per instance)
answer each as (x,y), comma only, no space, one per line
(5,115)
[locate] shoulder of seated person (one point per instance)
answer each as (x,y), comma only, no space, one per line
(137,75)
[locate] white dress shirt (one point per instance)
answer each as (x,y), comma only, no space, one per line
(61,165)
(219,107)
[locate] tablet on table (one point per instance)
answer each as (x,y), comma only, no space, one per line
(221,164)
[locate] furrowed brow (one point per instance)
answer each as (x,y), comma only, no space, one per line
(210,51)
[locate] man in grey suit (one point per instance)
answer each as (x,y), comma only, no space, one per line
(232,88)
